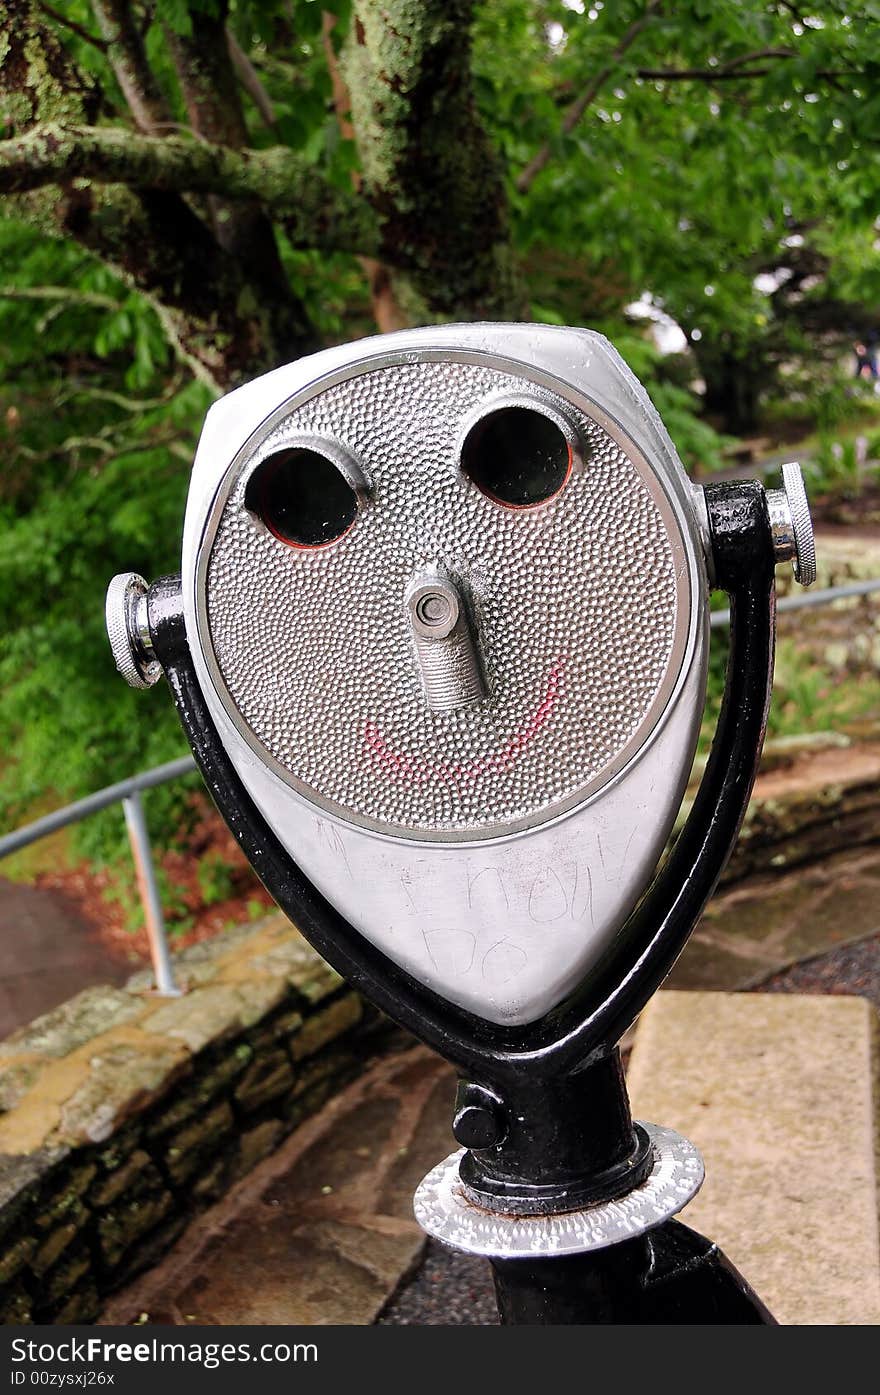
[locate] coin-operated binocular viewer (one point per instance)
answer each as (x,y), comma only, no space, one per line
(440,648)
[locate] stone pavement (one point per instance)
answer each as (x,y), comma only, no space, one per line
(852,969)
(776,1092)
(457,1289)
(805,877)
(767,923)
(322,1231)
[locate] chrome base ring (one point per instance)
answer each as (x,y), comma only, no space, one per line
(443,1209)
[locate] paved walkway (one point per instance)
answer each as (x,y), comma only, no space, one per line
(48,952)
(322,1231)
(457,1289)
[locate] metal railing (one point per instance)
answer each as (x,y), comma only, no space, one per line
(807,600)
(128,793)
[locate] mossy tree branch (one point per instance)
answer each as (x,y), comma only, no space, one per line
(125,50)
(155,243)
(388,313)
(149,236)
(191,221)
(314,212)
(250,80)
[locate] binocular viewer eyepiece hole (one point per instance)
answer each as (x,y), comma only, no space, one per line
(302,497)
(517,456)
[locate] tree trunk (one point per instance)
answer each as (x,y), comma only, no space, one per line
(735,384)
(429,168)
(210,90)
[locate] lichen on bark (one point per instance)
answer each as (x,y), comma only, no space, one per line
(154,240)
(429,168)
(191,220)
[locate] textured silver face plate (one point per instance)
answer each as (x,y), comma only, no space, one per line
(580,609)
(444,1211)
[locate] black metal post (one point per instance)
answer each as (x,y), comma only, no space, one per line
(670,1275)
(550,1146)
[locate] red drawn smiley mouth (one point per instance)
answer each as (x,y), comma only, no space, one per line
(411,770)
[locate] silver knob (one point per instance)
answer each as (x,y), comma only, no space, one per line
(791,525)
(125,613)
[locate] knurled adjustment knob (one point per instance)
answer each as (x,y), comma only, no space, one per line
(125,614)
(791,525)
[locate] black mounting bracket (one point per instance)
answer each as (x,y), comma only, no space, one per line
(542,1107)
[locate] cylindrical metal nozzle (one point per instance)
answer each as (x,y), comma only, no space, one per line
(444,643)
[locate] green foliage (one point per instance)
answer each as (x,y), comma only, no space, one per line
(825,404)
(178,916)
(692,186)
(799,692)
(831,402)
(810,696)
(835,468)
(98,428)
(214,878)
(699,444)
(719,652)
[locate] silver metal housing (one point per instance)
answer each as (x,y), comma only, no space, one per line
(498,887)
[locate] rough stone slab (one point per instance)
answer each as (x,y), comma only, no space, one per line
(75,1075)
(766,923)
(332,1272)
(15,1256)
(122,1112)
(778,1094)
(268,1076)
(133,1174)
(322,1231)
(119,1228)
(209,1015)
(326,1025)
(185,1150)
(828,800)
(123,1077)
(57,1033)
(203,961)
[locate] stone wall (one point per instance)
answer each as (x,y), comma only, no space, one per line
(122,1114)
